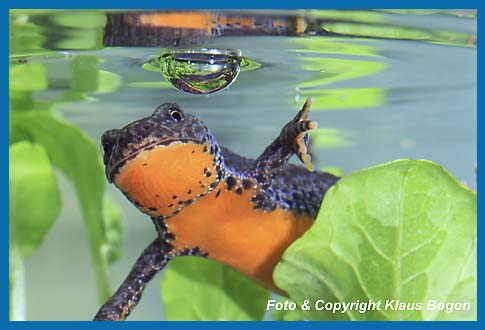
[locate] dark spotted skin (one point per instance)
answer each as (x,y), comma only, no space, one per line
(276,184)
(293,188)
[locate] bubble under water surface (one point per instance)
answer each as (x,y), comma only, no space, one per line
(202,71)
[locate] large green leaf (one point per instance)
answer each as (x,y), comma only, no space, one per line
(194,288)
(73,152)
(34,200)
(404,230)
(283,314)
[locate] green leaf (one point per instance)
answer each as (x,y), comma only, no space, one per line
(34,199)
(16,281)
(345,98)
(397,32)
(404,230)
(287,315)
(331,70)
(84,29)
(25,38)
(28,77)
(108,82)
(80,19)
(329,138)
(84,73)
(349,15)
(194,288)
(73,152)
(112,217)
(331,45)
(86,77)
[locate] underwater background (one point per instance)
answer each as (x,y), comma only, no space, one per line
(386,85)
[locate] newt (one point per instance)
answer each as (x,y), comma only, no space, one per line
(206,200)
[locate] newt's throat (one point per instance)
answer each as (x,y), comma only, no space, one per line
(163,180)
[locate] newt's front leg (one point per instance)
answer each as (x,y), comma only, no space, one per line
(293,139)
(151,261)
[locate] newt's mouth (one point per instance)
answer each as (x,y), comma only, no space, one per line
(112,169)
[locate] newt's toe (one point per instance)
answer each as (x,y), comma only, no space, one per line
(302,150)
(303,114)
(301,127)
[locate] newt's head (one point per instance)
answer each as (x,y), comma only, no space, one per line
(162,163)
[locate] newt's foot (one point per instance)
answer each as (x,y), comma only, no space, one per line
(302,138)
(293,139)
(295,134)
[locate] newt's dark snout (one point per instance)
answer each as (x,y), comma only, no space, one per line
(108,141)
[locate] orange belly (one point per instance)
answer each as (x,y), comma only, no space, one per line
(231,231)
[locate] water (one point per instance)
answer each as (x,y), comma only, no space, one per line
(385,86)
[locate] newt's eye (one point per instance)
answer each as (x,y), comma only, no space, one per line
(176,115)
(108,141)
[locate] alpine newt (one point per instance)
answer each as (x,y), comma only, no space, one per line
(206,200)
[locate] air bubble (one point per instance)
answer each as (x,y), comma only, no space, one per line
(202,71)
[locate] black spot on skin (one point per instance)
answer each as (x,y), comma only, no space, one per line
(170,205)
(212,150)
(152,208)
(188,202)
(218,193)
(246,184)
(258,197)
(200,182)
(145,164)
(181,202)
(189,191)
(169,236)
(208,174)
(176,212)
(193,151)
(157,196)
(205,171)
(239,191)
(204,149)
(260,178)
(230,182)
(213,185)
(174,197)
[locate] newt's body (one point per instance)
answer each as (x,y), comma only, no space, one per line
(205,200)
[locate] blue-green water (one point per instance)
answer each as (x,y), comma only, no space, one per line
(376,99)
